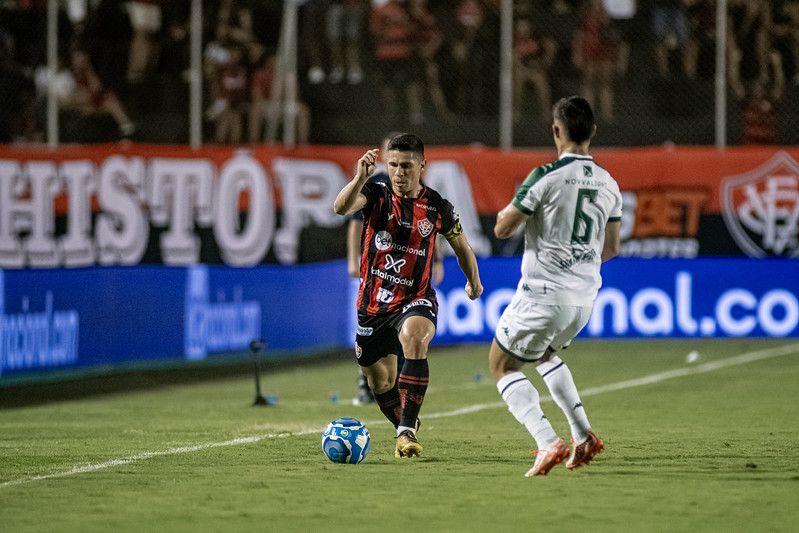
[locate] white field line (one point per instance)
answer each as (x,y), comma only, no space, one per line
(741,359)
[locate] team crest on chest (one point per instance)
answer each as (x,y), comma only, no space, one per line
(425,227)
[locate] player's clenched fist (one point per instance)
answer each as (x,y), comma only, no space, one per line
(473,291)
(367,163)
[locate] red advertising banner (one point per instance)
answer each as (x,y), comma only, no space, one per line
(255,200)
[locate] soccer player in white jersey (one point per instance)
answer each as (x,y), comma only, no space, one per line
(571,213)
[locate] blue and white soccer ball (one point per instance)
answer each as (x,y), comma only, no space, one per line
(346,440)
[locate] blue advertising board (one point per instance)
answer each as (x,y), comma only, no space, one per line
(645,298)
(89,318)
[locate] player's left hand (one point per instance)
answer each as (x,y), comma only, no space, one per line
(473,291)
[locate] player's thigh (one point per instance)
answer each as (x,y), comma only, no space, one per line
(375,339)
(416,327)
(526,328)
(574,319)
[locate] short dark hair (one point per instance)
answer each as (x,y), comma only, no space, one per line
(575,113)
(407,142)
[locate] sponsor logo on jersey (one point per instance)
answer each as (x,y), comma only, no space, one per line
(761,208)
(396,280)
(425,227)
(383,240)
(428,207)
(394,264)
(364,331)
(588,172)
(384,296)
(421,301)
(406,249)
(577,256)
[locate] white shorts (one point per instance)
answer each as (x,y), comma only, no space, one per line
(526,329)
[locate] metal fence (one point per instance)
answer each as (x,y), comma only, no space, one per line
(344,72)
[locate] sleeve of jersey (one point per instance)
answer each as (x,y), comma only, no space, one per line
(372,191)
(528,196)
(615,213)
(451,227)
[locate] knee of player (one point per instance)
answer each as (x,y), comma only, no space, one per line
(500,362)
(498,368)
(379,386)
(414,344)
(416,334)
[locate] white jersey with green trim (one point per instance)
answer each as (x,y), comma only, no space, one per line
(569,203)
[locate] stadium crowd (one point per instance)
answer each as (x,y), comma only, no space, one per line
(123,65)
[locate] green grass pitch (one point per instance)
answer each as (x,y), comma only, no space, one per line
(707,445)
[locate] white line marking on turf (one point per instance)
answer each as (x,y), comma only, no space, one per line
(741,359)
(749,357)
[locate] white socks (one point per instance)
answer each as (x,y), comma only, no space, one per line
(558,379)
(523,403)
(400,429)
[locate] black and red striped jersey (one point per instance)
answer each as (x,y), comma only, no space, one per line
(399,236)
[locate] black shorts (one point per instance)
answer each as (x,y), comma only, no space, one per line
(378,336)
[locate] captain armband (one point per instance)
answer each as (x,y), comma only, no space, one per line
(454,233)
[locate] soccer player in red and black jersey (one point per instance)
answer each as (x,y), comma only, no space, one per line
(397,302)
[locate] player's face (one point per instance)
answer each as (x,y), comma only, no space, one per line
(405,170)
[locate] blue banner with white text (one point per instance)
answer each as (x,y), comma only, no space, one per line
(103,317)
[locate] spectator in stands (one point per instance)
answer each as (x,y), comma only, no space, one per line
(107,37)
(392,30)
(232,98)
(233,30)
(215,58)
(17,97)
(344,21)
(264,108)
(429,39)
(672,33)
(312,16)
(785,37)
(82,92)
(594,53)
(760,105)
(533,53)
(174,60)
(470,17)
(145,18)
(238,16)
(622,15)
(748,43)
(702,26)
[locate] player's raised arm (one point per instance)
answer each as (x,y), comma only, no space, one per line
(468,263)
(508,220)
(350,199)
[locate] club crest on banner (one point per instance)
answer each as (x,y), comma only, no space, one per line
(425,227)
(761,208)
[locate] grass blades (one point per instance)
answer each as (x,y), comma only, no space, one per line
(705,448)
